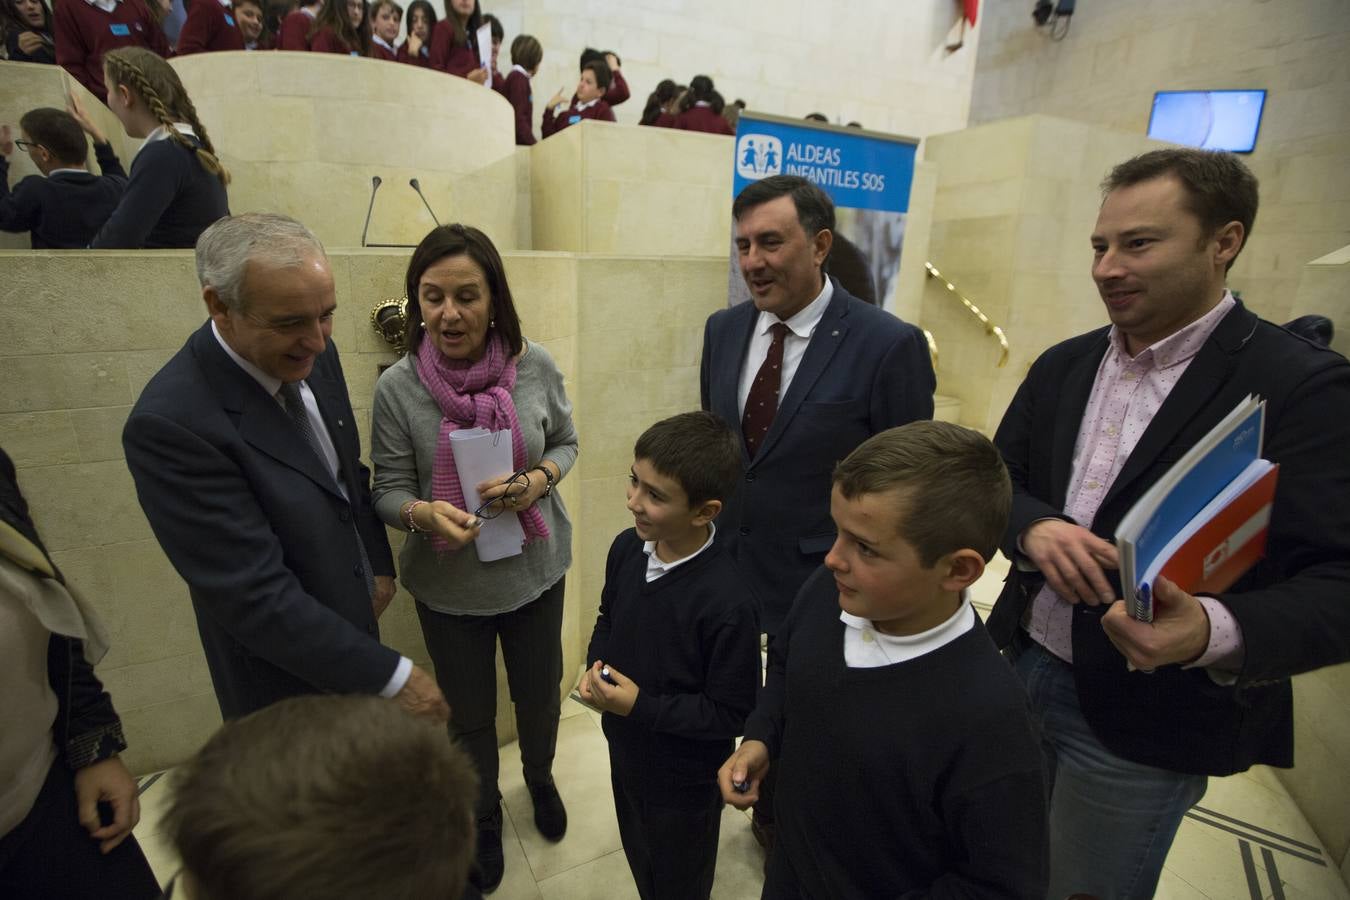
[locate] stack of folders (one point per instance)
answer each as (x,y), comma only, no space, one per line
(1204,523)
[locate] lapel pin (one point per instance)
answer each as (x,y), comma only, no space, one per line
(834,333)
(340,423)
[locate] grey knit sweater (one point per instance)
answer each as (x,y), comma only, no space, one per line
(404,426)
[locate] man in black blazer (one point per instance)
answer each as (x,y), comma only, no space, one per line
(841,371)
(1136,715)
(246,460)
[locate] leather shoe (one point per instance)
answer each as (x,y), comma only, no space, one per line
(490,863)
(550,816)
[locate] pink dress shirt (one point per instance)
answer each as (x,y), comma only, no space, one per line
(1126,395)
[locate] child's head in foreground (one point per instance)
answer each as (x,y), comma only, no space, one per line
(325,796)
(684,468)
(920,509)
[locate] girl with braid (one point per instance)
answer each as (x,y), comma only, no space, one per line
(177,185)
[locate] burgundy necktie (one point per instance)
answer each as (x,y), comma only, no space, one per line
(762,402)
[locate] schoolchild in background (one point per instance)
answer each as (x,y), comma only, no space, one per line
(498,35)
(659,111)
(64,207)
(907,762)
(588,103)
(297,26)
(210,26)
(416,50)
(526,55)
(386,18)
(177,185)
(697,112)
(248,18)
(28,31)
(454,41)
(617,92)
(84,32)
(674,657)
(340,28)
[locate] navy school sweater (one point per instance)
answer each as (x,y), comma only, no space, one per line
(66,210)
(169,201)
(690,641)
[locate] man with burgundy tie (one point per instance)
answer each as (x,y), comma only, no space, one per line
(246,459)
(804,374)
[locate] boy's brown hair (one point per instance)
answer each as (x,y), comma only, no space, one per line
(698,451)
(526,52)
(954,489)
(325,796)
(58,131)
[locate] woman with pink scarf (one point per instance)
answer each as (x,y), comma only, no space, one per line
(469,366)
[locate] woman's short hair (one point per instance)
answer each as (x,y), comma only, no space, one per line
(461,240)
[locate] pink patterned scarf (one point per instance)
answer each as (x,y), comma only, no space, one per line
(473,395)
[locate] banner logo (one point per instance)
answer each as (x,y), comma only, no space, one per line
(758,156)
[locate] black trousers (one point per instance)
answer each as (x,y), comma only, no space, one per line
(780,883)
(50,854)
(463,650)
(671,847)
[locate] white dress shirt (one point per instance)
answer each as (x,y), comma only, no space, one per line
(867,648)
(800,328)
(656,568)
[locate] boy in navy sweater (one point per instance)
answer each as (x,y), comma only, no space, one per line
(907,763)
(675,655)
(65,207)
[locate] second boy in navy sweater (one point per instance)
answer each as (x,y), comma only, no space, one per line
(675,656)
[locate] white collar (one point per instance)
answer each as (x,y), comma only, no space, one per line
(65,171)
(312,13)
(105,5)
(161,132)
(901,648)
(267,382)
(521,69)
(226,3)
(804,323)
(587,105)
(383,43)
(703,103)
(656,567)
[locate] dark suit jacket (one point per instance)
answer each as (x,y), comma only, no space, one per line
(87,729)
(253,522)
(864,371)
(1293,607)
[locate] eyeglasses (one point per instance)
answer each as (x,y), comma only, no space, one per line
(506,501)
(25,146)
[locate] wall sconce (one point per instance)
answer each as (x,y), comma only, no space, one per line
(389,318)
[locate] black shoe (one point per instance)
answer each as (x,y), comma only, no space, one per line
(490,864)
(550,816)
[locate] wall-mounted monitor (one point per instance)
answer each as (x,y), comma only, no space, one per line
(1212,120)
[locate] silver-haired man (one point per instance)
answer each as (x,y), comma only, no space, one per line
(246,459)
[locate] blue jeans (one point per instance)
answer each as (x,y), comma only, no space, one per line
(1112,821)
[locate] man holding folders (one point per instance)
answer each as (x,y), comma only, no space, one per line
(1136,715)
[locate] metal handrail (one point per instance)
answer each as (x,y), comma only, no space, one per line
(932,348)
(989,327)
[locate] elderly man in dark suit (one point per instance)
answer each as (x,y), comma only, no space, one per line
(804,374)
(67,802)
(1137,715)
(246,460)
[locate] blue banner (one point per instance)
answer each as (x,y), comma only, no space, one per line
(858,171)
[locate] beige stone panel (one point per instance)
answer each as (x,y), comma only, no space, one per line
(990,152)
(142,365)
(284,129)
(166,734)
(544,290)
(144,603)
(906,300)
(98,432)
(693,289)
(39,438)
(69,381)
(157,681)
(84,504)
(1321,739)
(557,204)
(1324,289)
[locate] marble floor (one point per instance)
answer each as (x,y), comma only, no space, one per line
(1245,839)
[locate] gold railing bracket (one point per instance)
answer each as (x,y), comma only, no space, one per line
(989,327)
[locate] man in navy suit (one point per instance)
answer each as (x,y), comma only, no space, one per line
(1136,715)
(246,460)
(804,374)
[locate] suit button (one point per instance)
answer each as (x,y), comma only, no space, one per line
(745,529)
(359,570)
(345,515)
(749,476)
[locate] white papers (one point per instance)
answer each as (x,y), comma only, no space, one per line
(485,52)
(482,455)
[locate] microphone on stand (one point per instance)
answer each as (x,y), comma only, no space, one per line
(417,187)
(374,186)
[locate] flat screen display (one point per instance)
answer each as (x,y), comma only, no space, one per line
(1211,120)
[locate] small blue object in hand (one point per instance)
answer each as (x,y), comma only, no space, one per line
(741,786)
(604,673)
